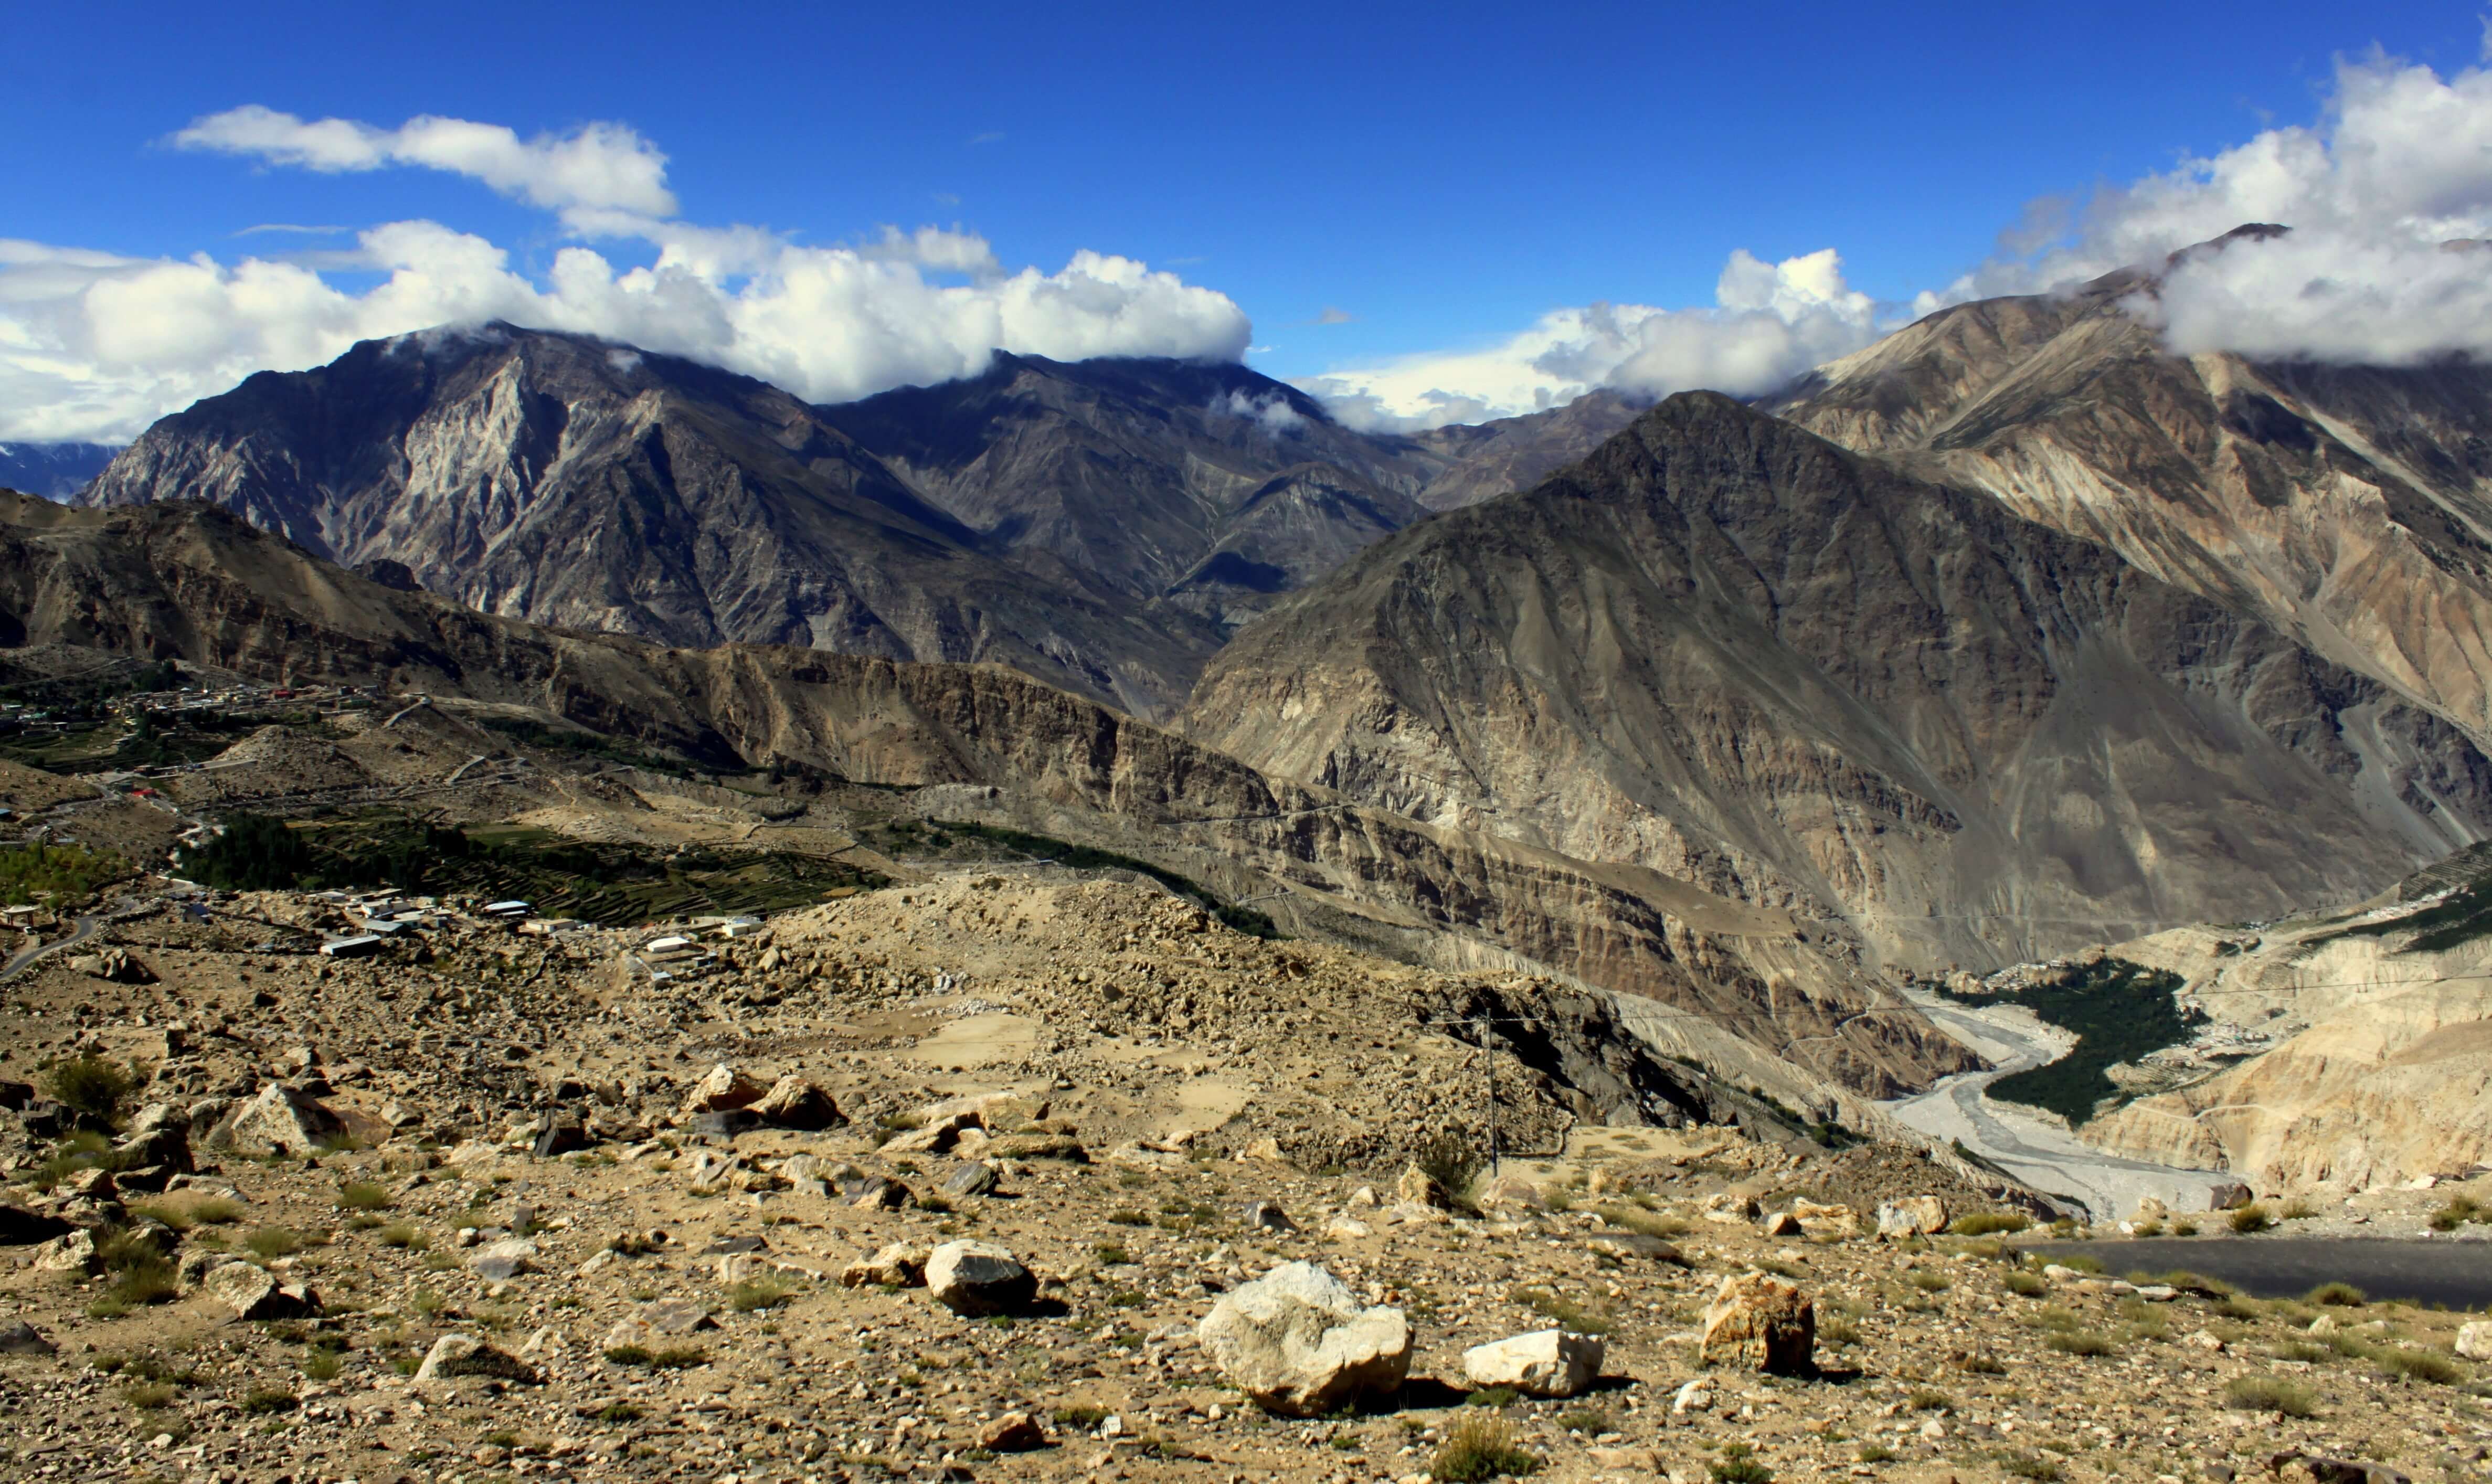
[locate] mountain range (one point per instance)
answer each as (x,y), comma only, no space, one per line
(2009,634)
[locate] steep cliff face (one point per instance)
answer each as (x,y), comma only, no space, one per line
(2348,508)
(194,581)
(1725,649)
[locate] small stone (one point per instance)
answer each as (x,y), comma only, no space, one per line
(1695,1396)
(253,1292)
(720,1088)
(975,1178)
(2475,1339)
(503,1261)
(1015,1432)
(900,1265)
(455,1356)
(1913,1216)
(794,1103)
(73,1253)
(18,1338)
(977,1278)
(1783,1224)
(278,1122)
(1267,1216)
(1546,1362)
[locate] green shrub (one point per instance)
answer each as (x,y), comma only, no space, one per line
(1929,1282)
(1479,1446)
(2269,1393)
(273,1242)
(2076,1343)
(2250,1218)
(91,1086)
(1590,1421)
(148,1396)
(758,1294)
(268,1399)
(362,1196)
(2024,1464)
(2025,1284)
(2418,1365)
(1986,1223)
(64,871)
(405,1238)
(2339,1295)
(1739,1465)
(2460,1209)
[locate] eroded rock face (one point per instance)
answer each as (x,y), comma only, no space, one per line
(1301,1343)
(1757,1322)
(1547,1362)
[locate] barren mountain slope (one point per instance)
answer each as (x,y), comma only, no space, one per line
(1515,453)
(567,481)
(193,581)
(1726,649)
(1205,486)
(2349,506)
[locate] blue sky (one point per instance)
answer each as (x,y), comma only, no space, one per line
(1437,177)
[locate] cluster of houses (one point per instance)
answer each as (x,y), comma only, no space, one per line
(383,916)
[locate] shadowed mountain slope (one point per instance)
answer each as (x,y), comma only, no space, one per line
(1726,649)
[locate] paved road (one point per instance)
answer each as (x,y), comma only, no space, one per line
(2442,1270)
(87,928)
(2043,1156)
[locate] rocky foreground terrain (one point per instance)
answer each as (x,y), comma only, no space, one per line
(487,1207)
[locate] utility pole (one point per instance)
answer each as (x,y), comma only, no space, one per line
(1487,1076)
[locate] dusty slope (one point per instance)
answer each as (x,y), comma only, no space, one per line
(1726,649)
(194,581)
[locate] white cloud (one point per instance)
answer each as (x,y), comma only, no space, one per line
(96,346)
(1770,322)
(1273,411)
(597,166)
(2398,167)
(2398,164)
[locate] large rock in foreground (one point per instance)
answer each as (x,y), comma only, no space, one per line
(278,1122)
(978,1278)
(1546,1362)
(1760,1324)
(455,1356)
(1297,1342)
